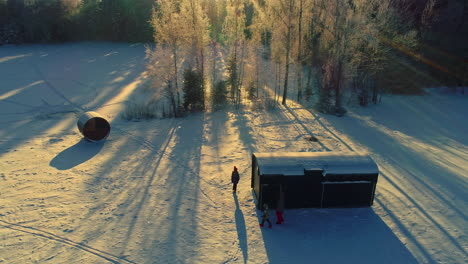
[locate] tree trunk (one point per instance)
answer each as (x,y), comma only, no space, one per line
(173,102)
(299,83)
(308,89)
(277,81)
(174,53)
(257,71)
(288,52)
(236,42)
(285,87)
(202,73)
(299,55)
(215,53)
(241,70)
(233,77)
(337,82)
(375,94)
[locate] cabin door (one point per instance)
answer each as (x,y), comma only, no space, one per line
(270,195)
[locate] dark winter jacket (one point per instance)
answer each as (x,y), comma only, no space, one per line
(235,177)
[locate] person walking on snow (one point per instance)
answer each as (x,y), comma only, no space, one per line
(266,216)
(234,179)
(280,209)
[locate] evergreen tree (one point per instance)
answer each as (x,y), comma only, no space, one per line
(194,98)
(219,96)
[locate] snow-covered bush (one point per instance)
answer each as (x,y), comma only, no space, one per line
(140,111)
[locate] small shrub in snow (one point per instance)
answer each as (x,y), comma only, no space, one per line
(263,103)
(270,103)
(339,111)
(251,88)
(140,111)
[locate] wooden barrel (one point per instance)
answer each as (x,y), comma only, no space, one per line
(93,126)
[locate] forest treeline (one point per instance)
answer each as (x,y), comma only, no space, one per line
(304,50)
(43,21)
(215,52)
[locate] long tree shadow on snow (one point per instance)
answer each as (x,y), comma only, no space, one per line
(155,202)
(428,178)
(415,162)
(245,130)
(351,235)
(215,130)
(126,192)
(183,193)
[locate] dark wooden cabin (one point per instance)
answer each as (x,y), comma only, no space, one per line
(314,179)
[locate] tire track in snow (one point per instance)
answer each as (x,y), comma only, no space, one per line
(55,90)
(79,245)
(261,138)
(298,120)
(317,118)
(302,127)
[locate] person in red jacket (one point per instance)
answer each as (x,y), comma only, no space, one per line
(235,179)
(280,209)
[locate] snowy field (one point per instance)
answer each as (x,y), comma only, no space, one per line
(159,191)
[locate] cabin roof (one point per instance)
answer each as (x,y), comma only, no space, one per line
(296,163)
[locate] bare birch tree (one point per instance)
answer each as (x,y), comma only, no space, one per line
(198,34)
(284,13)
(233,29)
(171,31)
(160,70)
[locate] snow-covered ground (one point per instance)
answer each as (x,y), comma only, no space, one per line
(158,191)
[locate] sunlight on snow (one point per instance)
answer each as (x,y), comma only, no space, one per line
(125,92)
(18,90)
(5,59)
(62,125)
(450,157)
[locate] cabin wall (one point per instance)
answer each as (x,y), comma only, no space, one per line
(315,191)
(255,179)
(347,194)
(313,188)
